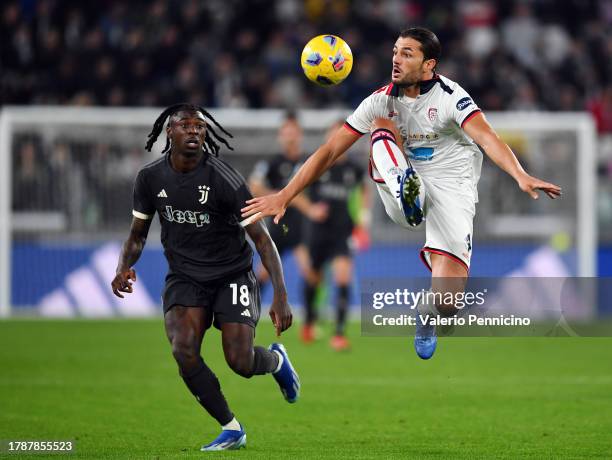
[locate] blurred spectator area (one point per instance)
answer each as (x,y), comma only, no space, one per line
(524,55)
(511,55)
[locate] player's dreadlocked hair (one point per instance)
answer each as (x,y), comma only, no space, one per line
(210,146)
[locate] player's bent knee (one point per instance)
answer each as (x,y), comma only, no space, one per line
(185,354)
(240,362)
(383,123)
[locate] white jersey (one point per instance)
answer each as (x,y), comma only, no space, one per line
(431,125)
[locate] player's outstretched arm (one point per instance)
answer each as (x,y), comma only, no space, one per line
(484,135)
(319,162)
(280,312)
(130,253)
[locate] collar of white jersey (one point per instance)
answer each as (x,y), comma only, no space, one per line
(425,86)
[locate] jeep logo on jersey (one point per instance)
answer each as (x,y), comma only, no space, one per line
(463,103)
(186,217)
(204,189)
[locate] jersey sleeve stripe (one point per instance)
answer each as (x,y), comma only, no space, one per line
(234,180)
(249,220)
(233,174)
(472,114)
(226,172)
(348,126)
(141,215)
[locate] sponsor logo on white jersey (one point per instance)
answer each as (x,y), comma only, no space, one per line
(463,103)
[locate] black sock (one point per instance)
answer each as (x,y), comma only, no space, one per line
(309,298)
(204,385)
(265,361)
(342,308)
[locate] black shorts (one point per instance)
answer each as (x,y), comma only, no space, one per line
(324,250)
(235,299)
(286,241)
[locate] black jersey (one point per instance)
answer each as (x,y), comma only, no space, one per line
(334,188)
(199,212)
(276,173)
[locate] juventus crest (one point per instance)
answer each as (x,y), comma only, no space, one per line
(204,189)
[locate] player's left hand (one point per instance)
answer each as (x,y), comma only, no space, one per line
(530,185)
(281,315)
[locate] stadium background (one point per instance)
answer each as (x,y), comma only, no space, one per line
(70,198)
(70,187)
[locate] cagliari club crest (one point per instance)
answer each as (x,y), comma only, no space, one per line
(204,189)
(432,113)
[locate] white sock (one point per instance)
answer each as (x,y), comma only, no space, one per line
(232,425)
(280,362)
(389,161)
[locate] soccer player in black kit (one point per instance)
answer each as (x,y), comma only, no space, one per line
(273,174)
(328,241)
(210,279)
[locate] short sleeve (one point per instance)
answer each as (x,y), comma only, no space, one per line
(463,106)
(360,121)
(143,206)
(241,195)
(260,172)
(237,191)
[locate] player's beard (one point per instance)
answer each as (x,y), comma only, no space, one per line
(410,79)
(191,153)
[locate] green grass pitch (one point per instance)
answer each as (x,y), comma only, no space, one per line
(114,388)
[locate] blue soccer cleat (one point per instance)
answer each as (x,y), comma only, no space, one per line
(227,440)
(286,377)
(425,339)
(410,187)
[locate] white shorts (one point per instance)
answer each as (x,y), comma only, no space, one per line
(450,205)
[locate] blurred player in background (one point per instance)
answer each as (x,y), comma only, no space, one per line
(270,176)
(210,278)
(439,126)
(329,242)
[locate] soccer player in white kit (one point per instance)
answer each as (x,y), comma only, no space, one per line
(425,161)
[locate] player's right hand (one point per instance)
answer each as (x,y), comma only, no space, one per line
(281,315)
(123,282)
(267,205)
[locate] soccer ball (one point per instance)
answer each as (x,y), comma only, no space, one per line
(327,60)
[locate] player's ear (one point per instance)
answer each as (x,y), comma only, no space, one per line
(429,64)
